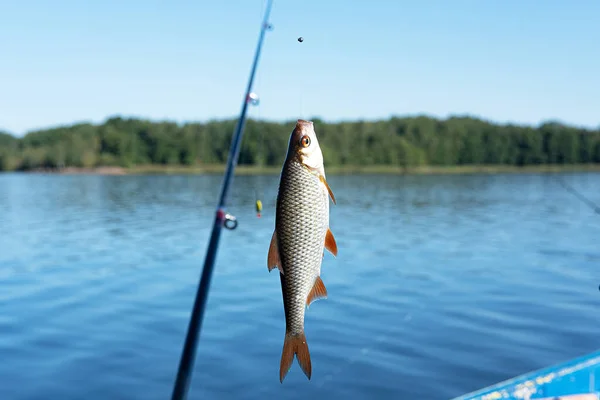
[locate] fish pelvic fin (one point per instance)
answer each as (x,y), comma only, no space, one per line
(273,259)
(330,243)
(295,344)
(318,291)
(322,179)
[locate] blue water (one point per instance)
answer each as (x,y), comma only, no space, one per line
(442,285)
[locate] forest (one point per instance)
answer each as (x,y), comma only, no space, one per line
(398,141)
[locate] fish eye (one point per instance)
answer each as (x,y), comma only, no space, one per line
(305,141)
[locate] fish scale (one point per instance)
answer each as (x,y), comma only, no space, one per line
(302,222)
(301,229)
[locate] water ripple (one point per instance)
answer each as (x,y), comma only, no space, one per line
(442,285)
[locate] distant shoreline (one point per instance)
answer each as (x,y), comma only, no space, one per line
(334,170)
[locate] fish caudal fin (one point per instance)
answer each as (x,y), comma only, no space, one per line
(295,344)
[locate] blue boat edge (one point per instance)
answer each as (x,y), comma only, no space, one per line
(577,378)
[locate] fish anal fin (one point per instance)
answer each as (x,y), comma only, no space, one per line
(273,259)
(330,243)
(295,344)
(322,179)
(318,291)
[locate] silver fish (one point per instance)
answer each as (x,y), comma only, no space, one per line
(301,234)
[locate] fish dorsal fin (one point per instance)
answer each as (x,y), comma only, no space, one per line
(330,243)
(273,259)
(322,178)
(318,291)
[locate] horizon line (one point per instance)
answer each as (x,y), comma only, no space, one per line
(183,122)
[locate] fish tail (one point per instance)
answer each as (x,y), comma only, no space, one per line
(294,344)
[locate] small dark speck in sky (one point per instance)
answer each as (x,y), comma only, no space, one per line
(301,39)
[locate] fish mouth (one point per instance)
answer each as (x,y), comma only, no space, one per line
(307,154)
(303,127)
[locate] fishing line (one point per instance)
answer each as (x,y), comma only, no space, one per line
(302,77)
(577,194)
(259,160)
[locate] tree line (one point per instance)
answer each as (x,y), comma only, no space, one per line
(406,142)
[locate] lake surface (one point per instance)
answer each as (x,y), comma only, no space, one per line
(442,285)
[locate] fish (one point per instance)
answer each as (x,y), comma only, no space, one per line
(299,240)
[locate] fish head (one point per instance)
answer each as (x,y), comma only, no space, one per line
(304,145)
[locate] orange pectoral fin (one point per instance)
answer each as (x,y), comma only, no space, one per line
(322,178)
(273,259)
(330,243)
(318,291)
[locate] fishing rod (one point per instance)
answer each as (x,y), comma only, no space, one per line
(222,218)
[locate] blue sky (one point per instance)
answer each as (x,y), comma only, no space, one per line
(521,61)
